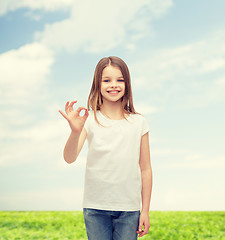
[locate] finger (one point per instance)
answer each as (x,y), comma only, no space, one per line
(67,104)
(72,103)
(140,231)
(146,229)
(86,111)
(140,226)
(63,114)
(70,107)
(81,108)
(140,234)
(66,107)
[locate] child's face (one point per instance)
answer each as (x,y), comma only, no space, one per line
(113,84)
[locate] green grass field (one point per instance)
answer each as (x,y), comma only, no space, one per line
(167,225)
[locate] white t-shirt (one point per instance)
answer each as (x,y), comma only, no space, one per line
(113,177)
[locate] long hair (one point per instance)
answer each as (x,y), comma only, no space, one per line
(95,98)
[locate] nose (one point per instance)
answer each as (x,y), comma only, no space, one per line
(114,84)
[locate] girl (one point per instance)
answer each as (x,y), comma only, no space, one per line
(118,178)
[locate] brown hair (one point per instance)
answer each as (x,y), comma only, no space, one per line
(95,98)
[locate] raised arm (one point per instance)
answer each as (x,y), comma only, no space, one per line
(78,133)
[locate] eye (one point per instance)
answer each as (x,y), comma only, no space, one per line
(105,80)
(121,80)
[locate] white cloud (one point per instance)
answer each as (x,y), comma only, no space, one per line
(188,61)
(174,199)
(23,78)
(41,141)
(168,151)
(159,8)
(24,73)
(213,93)
(185,160)
(212,65)
(65,199)
(193,73)
(220,81)
(50,5)
(33,16)
(144,108)
(104,27)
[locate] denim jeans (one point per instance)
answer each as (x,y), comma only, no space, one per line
(111,225)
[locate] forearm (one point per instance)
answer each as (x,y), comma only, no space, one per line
(146,188)
(70,150)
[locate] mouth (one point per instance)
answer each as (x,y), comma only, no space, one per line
(113,92)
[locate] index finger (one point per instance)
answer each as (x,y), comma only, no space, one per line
(145,231)
(72,103)
(86,111)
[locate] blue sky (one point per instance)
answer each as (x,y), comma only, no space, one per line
(176,55)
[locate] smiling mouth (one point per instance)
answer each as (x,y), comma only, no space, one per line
(113,91)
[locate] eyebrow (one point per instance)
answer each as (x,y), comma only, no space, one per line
(109,77)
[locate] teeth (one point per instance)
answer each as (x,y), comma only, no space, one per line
(113,91)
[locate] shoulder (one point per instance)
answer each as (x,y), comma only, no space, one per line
(138,116)
(141,120)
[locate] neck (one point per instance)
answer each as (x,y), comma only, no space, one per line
(113,110)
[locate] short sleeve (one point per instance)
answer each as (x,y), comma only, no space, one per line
(145,126)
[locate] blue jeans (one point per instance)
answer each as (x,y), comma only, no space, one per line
(111,225)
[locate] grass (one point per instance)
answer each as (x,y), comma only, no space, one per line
(68,225)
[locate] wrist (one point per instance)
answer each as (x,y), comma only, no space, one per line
(75,134)
(145,210)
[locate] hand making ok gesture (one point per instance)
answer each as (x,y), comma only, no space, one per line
(73,117)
